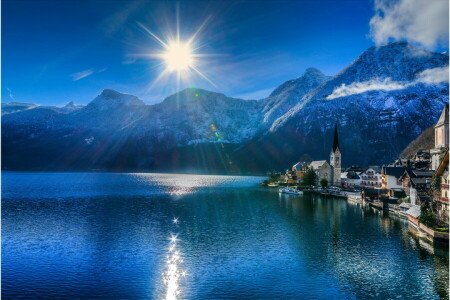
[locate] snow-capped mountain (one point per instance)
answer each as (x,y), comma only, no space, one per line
(13,107)
(381,101)
(290,93)
(70,107)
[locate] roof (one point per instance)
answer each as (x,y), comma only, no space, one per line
(405,205)
(407,173)
(443,119)
(397,172)
(317,163)
(414,211)
(297,166)
(354,168)
(335,138)
(416,181)
(352,175)
(443,165)
(423,173)
(377,169)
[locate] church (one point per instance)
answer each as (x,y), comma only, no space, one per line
(330,171)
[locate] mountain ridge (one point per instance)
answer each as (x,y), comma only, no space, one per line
(118,131)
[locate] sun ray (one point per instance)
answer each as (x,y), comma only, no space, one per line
(203,75)
(153,35)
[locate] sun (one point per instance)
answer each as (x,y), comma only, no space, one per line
(178,56)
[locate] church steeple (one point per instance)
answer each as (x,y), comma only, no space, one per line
(335,158)
(336,138)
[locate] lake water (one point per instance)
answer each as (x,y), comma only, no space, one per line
(169,236)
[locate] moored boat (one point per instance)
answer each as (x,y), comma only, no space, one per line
(290,190)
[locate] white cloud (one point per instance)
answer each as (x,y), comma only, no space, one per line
(79,75)
(10,94)
(434,76)
(361,87)
(429,77)
(424,22)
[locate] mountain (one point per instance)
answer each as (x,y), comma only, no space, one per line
(425,141)
(13,107)
(70,107)
(382,101)
(287,95)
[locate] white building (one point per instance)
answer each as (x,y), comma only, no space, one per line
(441,138)
(371,177)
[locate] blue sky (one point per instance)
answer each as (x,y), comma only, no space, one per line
(58,51)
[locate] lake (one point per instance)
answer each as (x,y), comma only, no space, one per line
(175,236)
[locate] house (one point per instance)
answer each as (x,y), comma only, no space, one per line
(371,177)
(350,179)
(294,175)
(440,197)
(390,177)
(422,155)
(322,169)
(441,138)
(416,184)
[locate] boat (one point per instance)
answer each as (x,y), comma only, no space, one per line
(274,184)
(289,190)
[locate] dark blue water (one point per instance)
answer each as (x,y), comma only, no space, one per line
(154,236)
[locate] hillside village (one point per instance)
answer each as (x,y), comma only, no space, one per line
(415,188)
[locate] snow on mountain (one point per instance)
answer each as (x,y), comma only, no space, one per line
(287,95)
(375,122)
(381,101)
(13,107)
(70,107)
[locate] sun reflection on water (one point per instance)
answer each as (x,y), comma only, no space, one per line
(173,273)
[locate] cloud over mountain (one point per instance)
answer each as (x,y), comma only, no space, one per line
(429,77)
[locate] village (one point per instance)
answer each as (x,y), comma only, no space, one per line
(415,189)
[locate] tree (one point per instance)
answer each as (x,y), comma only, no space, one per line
(323,183)
(309,178)
(274,176)
(427,217)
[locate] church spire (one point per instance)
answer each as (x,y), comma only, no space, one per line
(336,138)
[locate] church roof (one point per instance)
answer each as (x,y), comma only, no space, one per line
(443,119)
(336,138)
(317,163)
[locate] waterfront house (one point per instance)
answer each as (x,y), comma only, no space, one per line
(371,177)
(350,179)
(440,196)
(441,138)
(416,184)
(294,175)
